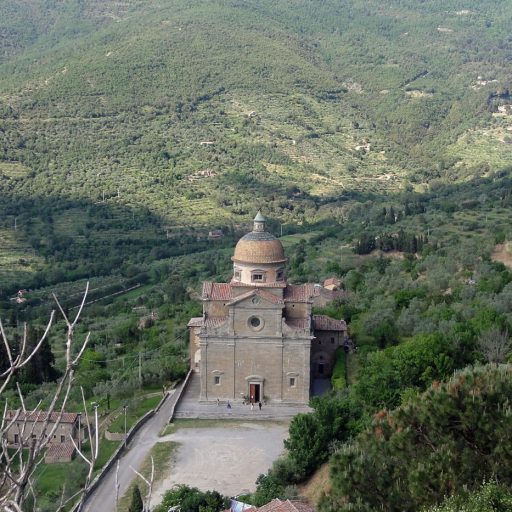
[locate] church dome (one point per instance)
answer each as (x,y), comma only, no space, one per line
(259,246)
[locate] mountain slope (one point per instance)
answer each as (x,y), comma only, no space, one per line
(201,112)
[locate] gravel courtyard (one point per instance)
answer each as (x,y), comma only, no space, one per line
(227,457)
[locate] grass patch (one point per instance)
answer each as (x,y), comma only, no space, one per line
(214,423)
(134,413)
(163,456)
(352,362)
(290,240)
(168,429)
(106,450)
(13,169)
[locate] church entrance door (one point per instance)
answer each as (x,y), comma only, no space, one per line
(254,393)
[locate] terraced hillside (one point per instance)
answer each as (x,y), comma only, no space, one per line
(191,113)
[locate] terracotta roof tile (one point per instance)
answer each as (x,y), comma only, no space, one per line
(215,321)
(326,323)
(299,293)
(332,281)
(270,296)
(216,291)
(195,322)
(40,416)
(277,505)
(259,247)
(319,291)
(61,450)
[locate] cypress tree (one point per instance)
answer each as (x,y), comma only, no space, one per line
(136,505)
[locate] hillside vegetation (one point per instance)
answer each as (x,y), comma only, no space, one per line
(374,136)
(191,113)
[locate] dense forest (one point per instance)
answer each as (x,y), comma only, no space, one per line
(376,139)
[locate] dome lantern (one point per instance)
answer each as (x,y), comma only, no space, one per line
(259,223)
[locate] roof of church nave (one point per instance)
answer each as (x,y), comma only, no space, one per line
(292,293)
(259,246)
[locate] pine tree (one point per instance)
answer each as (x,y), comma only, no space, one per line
(136,505)
(447,440)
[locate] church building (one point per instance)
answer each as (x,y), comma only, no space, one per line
(258,339)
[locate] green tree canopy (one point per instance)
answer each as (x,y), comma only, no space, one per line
(439,443)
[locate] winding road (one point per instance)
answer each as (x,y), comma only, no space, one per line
(103,498)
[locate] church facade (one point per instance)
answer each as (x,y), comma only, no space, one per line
(257,339)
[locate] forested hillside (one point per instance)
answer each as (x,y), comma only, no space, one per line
(131,123)
(375,136)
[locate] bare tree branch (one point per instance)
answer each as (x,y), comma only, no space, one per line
(495,345)
(149,483)
(20,462)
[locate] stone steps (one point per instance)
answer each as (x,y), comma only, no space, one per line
(189,407)
(252,415)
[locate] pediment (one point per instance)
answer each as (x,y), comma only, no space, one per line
(256,299)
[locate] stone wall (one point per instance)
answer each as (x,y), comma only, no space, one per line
(230,366)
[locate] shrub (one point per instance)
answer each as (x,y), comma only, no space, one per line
(338,379)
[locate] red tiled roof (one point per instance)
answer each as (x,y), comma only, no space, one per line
(61,450)
(277,505)
(326,323)
(40,416)
(329,294)
(215,321)
(197,321)
(216,291)
(270,297)
(299,293)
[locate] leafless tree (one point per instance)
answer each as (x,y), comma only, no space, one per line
(19,463)
(149,483)
(495,345)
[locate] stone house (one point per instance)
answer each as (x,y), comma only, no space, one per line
(258,339)
(31,425)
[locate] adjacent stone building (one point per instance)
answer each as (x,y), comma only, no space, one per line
(24,427)
(257,339)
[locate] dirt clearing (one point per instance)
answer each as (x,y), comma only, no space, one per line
(227,457)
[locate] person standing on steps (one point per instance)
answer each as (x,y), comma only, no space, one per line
(252,406)
(259,405)
(228,405)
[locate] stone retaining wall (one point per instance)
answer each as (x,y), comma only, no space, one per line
(178,394)
(114,436)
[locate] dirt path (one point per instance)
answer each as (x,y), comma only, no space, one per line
(227,458)
(503,254)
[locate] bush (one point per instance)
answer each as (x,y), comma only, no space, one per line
(191,499)
(491,497)
(338,379)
